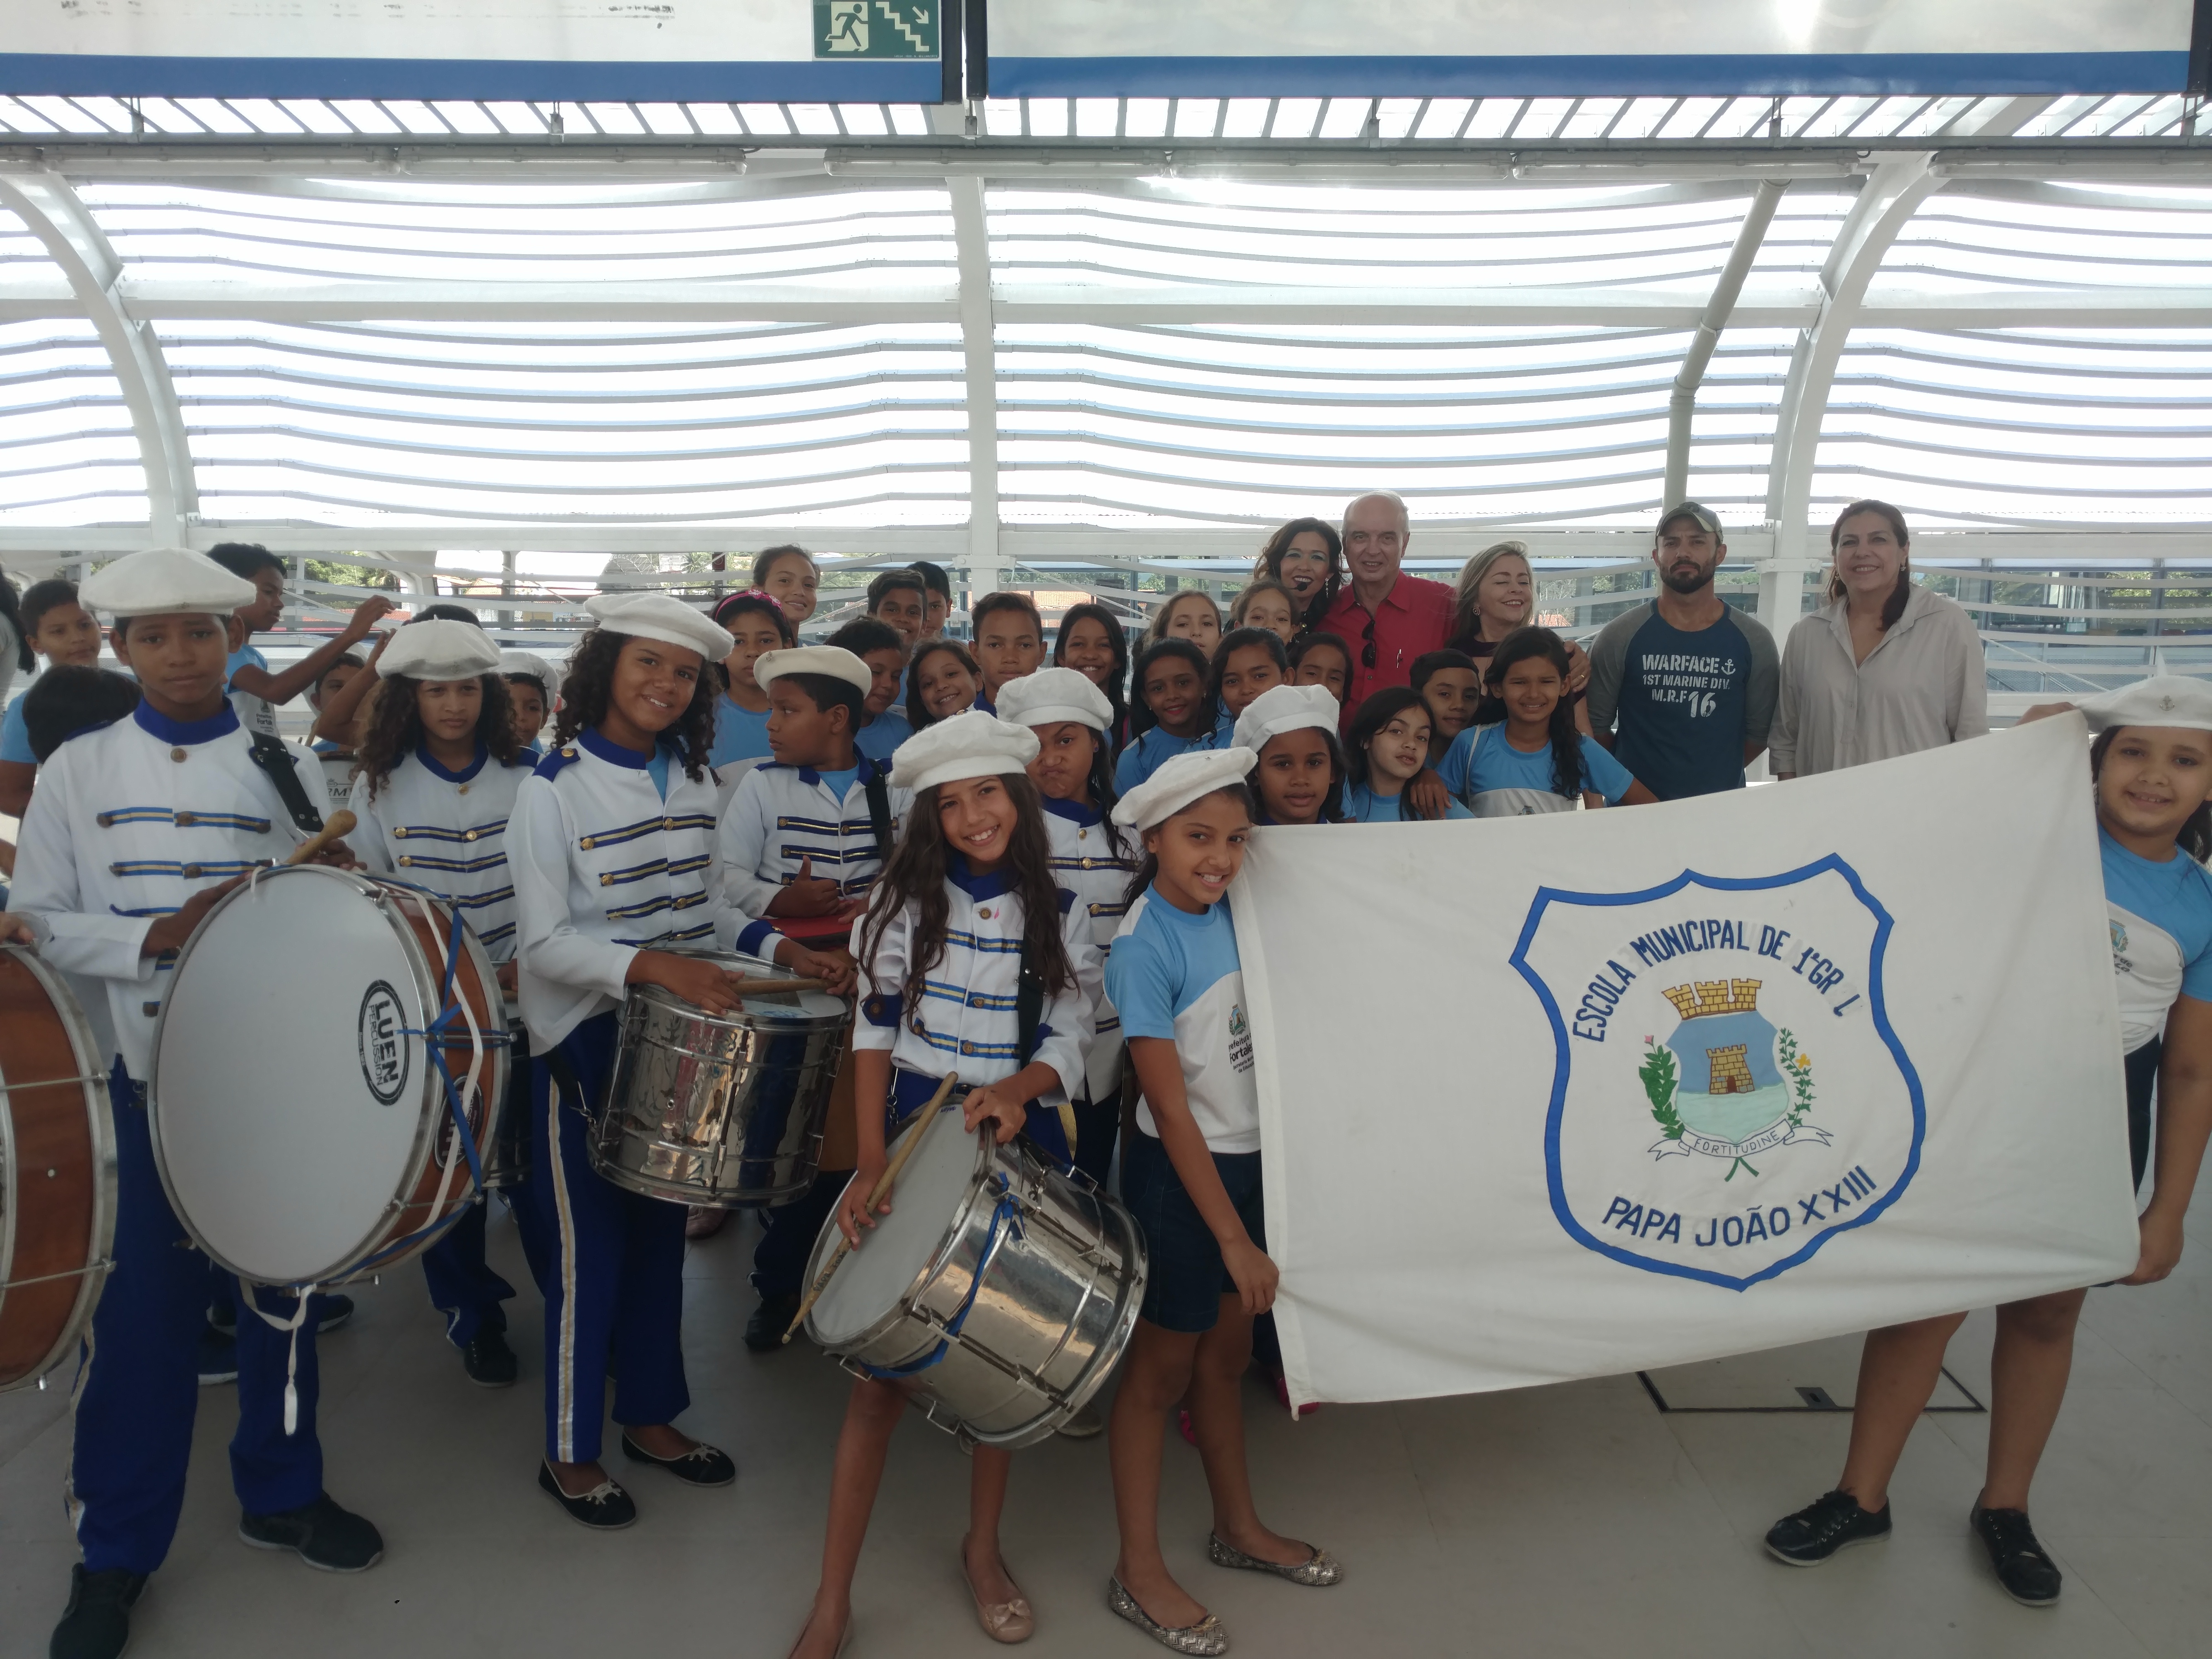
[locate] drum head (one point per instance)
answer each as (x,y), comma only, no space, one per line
(876,1278)
(288,1107)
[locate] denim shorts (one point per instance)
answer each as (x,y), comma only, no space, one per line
(1187,1278)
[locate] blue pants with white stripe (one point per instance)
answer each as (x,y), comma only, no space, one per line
(463,1287)
(140,1379)
(613,1268)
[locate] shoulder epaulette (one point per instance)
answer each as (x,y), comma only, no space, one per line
(550,767)
(82,731)
(1067,901)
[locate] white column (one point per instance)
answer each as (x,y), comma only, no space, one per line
(985,570)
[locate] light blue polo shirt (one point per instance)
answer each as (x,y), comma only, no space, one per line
(1176,976)
(1500,782)
(2160,916)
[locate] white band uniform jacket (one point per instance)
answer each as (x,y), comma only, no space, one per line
(604,868)
(782,816)
(447,832)
(967,1022)
(1084,863)
(129,821)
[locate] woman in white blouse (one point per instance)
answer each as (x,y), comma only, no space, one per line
(1885,668)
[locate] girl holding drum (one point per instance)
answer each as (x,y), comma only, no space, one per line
(966,901)
(438,767)
(1191,1176)
(611,847)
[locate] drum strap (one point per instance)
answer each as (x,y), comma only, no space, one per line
(873,773)
(270,755)
(1028,1016)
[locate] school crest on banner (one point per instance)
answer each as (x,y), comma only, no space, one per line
(1728,1094)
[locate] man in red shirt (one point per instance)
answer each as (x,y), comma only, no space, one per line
(1387,617)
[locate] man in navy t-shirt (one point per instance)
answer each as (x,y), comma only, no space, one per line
(1682,689)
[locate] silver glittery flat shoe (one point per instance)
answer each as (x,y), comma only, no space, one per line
(1317,1572)
(1206,1637)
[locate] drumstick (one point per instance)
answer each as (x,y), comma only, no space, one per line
(340,823)
(883,1188)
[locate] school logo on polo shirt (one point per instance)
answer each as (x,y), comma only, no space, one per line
(1728,1094)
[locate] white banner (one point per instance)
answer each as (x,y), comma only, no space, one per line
(1570,1095)
(1262,48)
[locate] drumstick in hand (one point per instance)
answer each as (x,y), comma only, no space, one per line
(339,824)
(882,1191)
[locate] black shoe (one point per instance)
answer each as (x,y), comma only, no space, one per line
(2029,1576)
(96,1623)
(702,1465)
(334,1312)
(218,1357)
(764,1330)
(605,1508)
(1820,1529)
(489,1361)
(325,1535)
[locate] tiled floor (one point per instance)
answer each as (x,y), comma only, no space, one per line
(1576,1520)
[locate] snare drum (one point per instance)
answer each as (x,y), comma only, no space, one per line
(725,1111)
(1006,1318)
(56,1170)
(301,1129)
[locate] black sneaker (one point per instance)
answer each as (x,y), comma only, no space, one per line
(2029,1577)
(1820,1529)
(334,1312)
(489,1361)
(702,1465)
(218,1357)
(605,1508)
(96,1623)
(765,1329)
(325,1535)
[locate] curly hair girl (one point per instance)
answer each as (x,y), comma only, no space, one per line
(392,725)
(588,692)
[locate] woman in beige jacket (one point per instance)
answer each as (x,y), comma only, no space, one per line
(1886,669)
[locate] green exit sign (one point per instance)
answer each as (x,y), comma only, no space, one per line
(875,29)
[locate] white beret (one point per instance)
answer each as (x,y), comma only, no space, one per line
(1283,708)
(969,744)
(1181,779)
(163,581)
(657,617)
(835,661)
(1051,695)
(520,664)
(2162,700)
(439,649)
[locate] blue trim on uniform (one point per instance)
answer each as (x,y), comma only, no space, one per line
(551,767)
(754,934)
(155,723)
(978,888)
(1572,75)
(1082,814)
(612,752)
(431,766)
(119,75)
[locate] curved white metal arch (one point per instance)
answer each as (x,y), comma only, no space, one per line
(53,213)
(1892,194)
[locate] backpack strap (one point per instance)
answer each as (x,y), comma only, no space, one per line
(872,776)
(270,755)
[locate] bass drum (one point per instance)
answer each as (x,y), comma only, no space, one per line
(1002,1291)
(302,1131)
(56,1170)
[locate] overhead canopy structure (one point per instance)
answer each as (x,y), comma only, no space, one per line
(1083,338)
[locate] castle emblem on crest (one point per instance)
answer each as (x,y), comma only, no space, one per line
(1727,1084)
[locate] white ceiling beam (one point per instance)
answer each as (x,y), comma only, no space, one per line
(1892,305)
(978,334)
(1891,195)
(1727,289)
(54,214)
